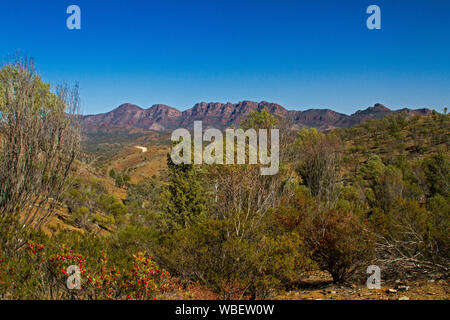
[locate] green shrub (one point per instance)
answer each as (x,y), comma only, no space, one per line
(234,267)
(112,173)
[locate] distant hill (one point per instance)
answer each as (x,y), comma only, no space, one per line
(130,118)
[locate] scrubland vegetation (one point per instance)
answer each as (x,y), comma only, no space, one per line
(374,194)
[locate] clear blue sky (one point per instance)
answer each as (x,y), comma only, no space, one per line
(301,54)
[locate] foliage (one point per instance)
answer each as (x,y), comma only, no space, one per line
(89,203)
(376,193)
(186,203)
(145,193)
(437,172)
(232,266)
(319,164)
(42,272)
(339,243)
(39,143)
(412,238)
(335,238)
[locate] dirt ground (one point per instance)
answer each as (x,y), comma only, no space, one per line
(319,286)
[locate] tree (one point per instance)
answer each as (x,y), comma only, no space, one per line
(186,203)
(126,178)
(242,194)
(384,183)
(389,186)
(40,139)
(319,164)
(260,120)
(112,173)
(119,181)
(437,171)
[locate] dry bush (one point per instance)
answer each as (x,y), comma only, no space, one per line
(413,240)
(40,140)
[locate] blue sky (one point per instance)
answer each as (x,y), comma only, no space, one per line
(301,54)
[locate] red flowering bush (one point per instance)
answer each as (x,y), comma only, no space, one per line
(142,279)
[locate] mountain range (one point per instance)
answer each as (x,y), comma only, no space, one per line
(131,118)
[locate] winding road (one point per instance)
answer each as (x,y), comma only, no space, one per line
(144,149)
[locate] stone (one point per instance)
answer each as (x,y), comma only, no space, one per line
(392,291)
(402,288)
(403,298)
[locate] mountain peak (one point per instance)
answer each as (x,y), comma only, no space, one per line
(376,109)
(161,111)
(128,107)
(379,107)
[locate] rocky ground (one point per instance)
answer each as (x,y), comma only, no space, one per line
(318,286)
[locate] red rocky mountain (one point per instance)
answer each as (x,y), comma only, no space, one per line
(162,118)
